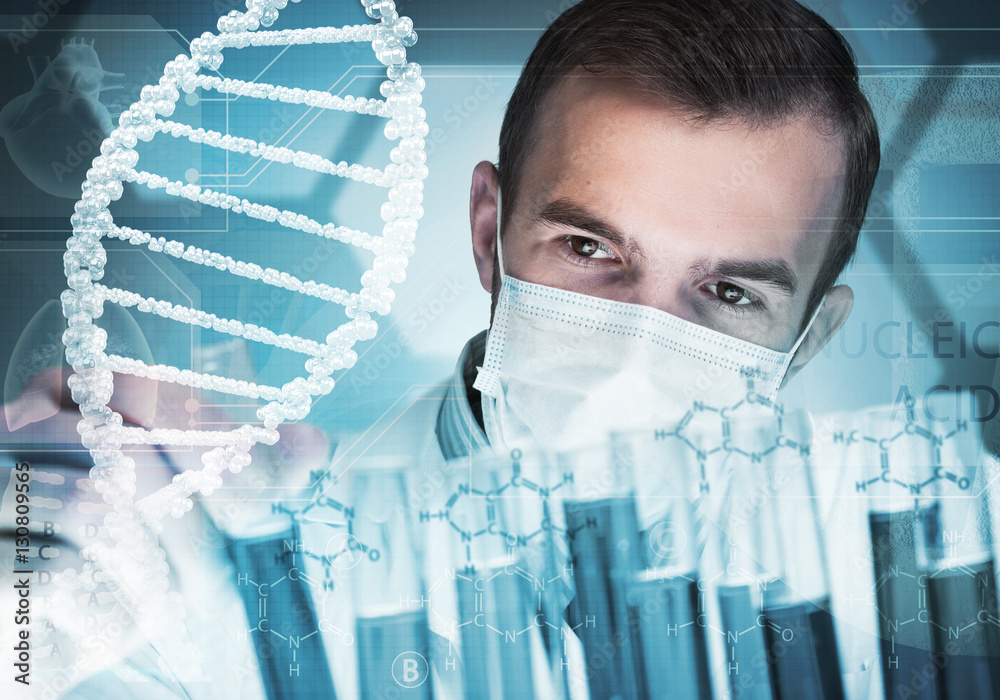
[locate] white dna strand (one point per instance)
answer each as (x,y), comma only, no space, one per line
(133,566)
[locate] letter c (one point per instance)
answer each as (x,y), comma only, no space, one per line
(927,405)
(878,345)
(977,348)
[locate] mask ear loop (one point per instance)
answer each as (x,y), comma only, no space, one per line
(499,247)
(803,334)
(488,378)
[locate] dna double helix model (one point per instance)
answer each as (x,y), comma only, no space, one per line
(133,565)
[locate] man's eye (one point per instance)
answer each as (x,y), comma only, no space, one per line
(732,294)
(589,248)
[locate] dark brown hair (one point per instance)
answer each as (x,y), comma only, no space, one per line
(755,62)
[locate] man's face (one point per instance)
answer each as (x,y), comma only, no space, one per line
(622,198)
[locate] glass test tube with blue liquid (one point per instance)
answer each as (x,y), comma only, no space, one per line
(935,577)
(774,596)
(281,612)
(603,534)
(495,583)
(390,601)
(666,607)
(898,517)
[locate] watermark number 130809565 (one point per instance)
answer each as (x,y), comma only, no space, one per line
(22,574)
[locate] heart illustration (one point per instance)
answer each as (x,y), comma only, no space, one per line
(54,130)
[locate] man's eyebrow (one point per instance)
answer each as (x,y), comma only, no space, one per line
(776,273)
(565,212)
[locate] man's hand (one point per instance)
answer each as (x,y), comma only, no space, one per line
(277,473)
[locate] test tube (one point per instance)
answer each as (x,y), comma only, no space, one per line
(933,559)
(667,608)
(603,533)
(962,584)
(389,597)
(893,470)
(774,597)
(535,502)
(270,576)
(494,583)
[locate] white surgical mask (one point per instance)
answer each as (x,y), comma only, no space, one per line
(564,370)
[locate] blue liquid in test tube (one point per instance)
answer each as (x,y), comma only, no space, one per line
(963,606)
(386,661)
(603,546)
(746,656)
(496,643)
(802,659)
(671,631)
(900,595)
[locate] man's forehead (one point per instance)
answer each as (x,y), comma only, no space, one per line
(605,108)
(592,125)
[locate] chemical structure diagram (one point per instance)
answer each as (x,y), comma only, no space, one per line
(272,583)
(276,568)
(489,525)
(713,432)
(927,443)
(343,550)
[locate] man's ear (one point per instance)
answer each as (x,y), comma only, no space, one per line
(483,218)
(836,308)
